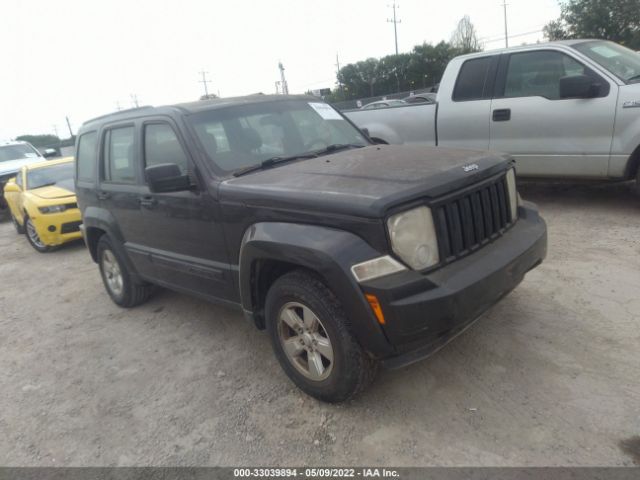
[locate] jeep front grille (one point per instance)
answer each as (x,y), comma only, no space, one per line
(472,218)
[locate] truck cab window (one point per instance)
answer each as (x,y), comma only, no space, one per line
(472,80)
(538,73)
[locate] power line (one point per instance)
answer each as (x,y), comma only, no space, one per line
(512,36)
(395,22)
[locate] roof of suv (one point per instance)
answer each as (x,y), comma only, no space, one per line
(197,106)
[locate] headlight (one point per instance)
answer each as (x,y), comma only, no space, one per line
(413,238)
(513,193)
(53,209)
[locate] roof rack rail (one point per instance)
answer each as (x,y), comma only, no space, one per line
(118,112)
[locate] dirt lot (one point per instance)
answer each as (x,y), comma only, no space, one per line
(549,377)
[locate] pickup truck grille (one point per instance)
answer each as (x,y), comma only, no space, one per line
(471,219)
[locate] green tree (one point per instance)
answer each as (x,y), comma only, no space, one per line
(615,20)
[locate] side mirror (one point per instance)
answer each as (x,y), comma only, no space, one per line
(12,186)
(166,177)
(50,152)
(578,86)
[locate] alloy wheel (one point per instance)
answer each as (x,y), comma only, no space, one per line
(305,341)
(112,273)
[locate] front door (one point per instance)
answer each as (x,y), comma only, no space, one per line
(547,135)
(183,236)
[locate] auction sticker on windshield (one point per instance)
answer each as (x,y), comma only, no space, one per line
(325,111)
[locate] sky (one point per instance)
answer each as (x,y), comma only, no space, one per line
(85,58)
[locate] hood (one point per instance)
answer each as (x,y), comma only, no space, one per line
(60,190)
(12,166)
(364,181)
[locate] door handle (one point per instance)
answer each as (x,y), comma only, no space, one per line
(103,195)
(148,201)
(502,115)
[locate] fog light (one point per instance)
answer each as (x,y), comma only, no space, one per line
(52,228)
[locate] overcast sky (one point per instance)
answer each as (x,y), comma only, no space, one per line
(80,58)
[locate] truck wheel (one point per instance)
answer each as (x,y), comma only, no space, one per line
(117,278)
(19,228)
(34,238)
(311,338)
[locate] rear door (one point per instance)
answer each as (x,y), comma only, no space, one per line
(463,111)
(121,187)
(547,135)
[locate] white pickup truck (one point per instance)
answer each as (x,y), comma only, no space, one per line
(562,109)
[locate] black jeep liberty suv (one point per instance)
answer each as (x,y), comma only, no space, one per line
(350,254)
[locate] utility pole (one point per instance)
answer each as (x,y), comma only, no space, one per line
(134,100)
(204,82)
(69,125)
(506,36)
(118,107)
(395,22)
(55,129)
(285,87)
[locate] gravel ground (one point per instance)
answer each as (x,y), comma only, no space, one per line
(550,376)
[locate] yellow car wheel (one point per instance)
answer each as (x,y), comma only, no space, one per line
(34,238)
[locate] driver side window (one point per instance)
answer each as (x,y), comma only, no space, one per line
(538,73)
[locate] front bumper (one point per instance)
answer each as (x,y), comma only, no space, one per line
(58,228)
(423,312)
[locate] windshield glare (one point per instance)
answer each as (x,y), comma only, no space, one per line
(621,61)
(245,135)
(17,152)
(54,174)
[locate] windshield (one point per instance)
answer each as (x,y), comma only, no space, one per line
(52,175)
(17,152)
(245,135)
(619,60)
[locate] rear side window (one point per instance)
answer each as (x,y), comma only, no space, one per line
(472,80)
(120,155)
(161,145)
(86,156)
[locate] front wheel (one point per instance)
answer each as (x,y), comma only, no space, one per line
(117,279)
(34,237)
(312,340)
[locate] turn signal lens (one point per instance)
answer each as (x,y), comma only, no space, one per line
(375,306)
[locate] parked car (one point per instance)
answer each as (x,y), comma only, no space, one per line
(14,155)
(421,98)
(43,204)
(563,109)
(350,254)
(383,104)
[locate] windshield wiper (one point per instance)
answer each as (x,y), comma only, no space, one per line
(334,147)
(270,162)
(50,184)
(635,77)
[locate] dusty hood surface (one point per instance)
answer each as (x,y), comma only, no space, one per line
(364,181)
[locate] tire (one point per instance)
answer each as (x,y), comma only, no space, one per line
(116,277)
(19,228)
(349,370)
(34,238)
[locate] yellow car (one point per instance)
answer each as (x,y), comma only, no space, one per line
(43,204)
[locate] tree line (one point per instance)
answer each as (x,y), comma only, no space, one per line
(421,68)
